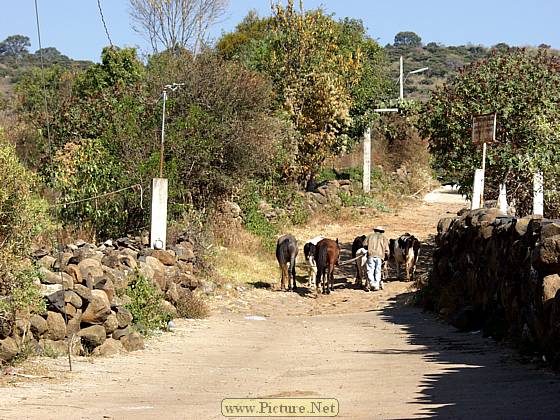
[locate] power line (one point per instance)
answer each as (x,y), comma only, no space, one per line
(104,24)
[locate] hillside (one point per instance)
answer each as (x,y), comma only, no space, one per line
(443,61)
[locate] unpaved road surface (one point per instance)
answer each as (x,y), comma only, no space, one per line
(379,356)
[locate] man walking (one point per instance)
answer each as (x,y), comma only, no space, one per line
(378,250)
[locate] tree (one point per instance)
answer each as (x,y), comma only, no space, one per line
(326,75)
(15,46)
(172,24)
(523,88)
(407,39)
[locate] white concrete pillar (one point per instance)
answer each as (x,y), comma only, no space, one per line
(502,199)
(158,229)
(478,189)
(538,194)
(367,161)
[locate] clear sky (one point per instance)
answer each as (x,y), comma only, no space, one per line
(74,27)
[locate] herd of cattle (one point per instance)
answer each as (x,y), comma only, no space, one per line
(322,255)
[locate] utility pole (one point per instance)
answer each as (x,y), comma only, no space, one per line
(401,80)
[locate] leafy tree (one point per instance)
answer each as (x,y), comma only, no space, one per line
(407,39)
(522,87)
(15,46)
(326,74)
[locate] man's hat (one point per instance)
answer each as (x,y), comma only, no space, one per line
(379,229)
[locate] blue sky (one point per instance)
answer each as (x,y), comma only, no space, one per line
(74,27)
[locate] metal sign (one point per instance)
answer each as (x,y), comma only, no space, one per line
(484,129)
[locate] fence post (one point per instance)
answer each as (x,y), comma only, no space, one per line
(367,161)
(478,189)
(538,194)
(158,228)
(502,199)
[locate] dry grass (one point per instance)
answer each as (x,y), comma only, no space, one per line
(191,305)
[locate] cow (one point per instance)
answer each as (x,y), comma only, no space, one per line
(309,252)
(359,248)
(405,250)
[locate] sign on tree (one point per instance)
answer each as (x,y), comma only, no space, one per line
(484,129)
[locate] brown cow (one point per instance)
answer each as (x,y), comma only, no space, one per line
(327,253)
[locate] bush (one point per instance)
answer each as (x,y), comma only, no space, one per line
(190,305)
(146,305)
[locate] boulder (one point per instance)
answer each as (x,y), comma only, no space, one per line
(546,256)
(551,284)
(56,327)
(108,287)
(119,277)
(124,317)
(168,307)
(165,257)
(121,332)
(98,309)
(8,349)
(93,336)
(133,341)
(109,348)
(128,260)
(83,292)
(90,267)
(111,323)
(172,293)
(73,299)
(56,301)
(38,325)
(185,253)
(73,271)
(74,323)
(50,277)
(49,289)
(154,264)
(47,262)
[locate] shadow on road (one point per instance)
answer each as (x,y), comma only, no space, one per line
(483,380)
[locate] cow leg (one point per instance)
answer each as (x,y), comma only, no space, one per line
(293,270)
(358,274)
(284,276)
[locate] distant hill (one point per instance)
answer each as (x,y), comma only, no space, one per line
(443,62)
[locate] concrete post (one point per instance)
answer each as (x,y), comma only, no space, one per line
(158,229)
(367,161)
(502,199)
(478,190)
(538,194)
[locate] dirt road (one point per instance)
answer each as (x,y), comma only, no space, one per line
(376,354)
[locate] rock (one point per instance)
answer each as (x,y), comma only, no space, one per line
(172,293)
(546,256)
(169,308)
(38,325)
(83,292)
(154,264)
(73,298)
(147,271)
(551,284)
(56,326)
(119,278)
(111,260)
(93,336)
(98,309)
(109,348)
(74,323)
(133,341)
(8,349)
(49,289)
(111,323)
(164,257)
(108,287)
(128,260)
(124,317)
(70,311)
(121,332)
(184,253)
(90,267)
(73,271)
(50,277)
(56,301)
(47,262)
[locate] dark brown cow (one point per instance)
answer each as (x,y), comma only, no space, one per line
(327,253)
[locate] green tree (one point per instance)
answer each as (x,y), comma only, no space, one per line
(522,87)
(15,46)
(407,39)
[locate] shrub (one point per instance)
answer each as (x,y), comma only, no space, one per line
(146,305)
(190,305)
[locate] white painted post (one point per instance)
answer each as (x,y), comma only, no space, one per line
(158,229)
(367,161)
(502,199)
(401,81)
(538,194)
(478,189)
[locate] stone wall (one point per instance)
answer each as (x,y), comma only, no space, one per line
(85,282)
(500,274)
